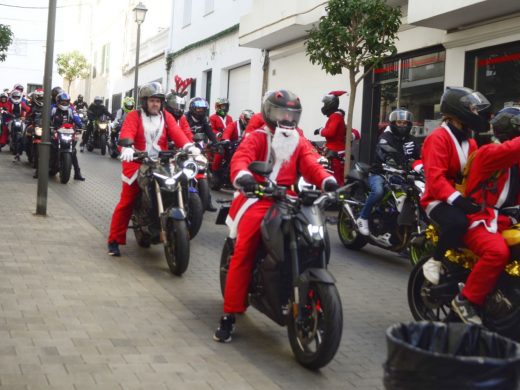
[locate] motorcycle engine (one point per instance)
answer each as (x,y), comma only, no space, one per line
(384,221)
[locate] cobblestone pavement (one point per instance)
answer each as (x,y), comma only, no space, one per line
(71,317)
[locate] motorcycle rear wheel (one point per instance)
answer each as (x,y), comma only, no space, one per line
(316,339)
(65,167)
(142,239)
(177,249)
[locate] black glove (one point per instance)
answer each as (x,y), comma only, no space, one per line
(466,205)
(330,185)
(317,131)
(247,183)
(391,162)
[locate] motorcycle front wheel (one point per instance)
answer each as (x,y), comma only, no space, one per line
(204,193)
(103,145)
(177,249)
(65,167)
(195,213)
(316,336)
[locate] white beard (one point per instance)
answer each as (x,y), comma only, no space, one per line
(284,144)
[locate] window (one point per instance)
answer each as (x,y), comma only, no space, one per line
(209,75)
(116,102)
(105,59)
(193,88)
(209,7)
(33,87)
(186,21)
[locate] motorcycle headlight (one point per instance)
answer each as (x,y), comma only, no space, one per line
(66,137)
(315,232)
(38,131)
(190,168)
(102,126)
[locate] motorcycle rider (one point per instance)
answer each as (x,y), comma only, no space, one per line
(17,109)
(4,106)
(220,119)
(405,151)
(175,105)
(233,132)
(79,103)
(32,117)
(493,183)
(95,111)
(19,87)
(62,113)
(127,106)
(278,142)
(148,129)
(335,132)
(445,154)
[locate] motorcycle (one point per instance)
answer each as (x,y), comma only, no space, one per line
(114,140)
(62,146)
(395,222)
(202,173)
(33,136)
(290,282)
(99,137)
(82,113)
(501,311)
(16,131)
(220,178)
(161,213)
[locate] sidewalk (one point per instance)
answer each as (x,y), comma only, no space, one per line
(71,317)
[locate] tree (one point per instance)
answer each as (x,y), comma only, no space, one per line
(6,38)
(71,66)
(355,35)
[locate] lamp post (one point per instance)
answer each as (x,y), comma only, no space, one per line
(140,13)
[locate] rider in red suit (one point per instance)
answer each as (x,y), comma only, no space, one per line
(291,155)
(175,105)
(147,129)
(4,106)
(256,122)
(220,119)
(335,132)
(492,183)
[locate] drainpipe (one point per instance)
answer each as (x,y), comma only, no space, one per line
(265,69)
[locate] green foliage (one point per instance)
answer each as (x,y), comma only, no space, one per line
(354,34)
(6,38)
(72,65)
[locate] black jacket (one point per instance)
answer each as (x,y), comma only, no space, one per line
(201,127)
(406,150)
(96,111)
(80,105)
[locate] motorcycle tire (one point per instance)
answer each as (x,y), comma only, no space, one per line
(35,155)
(114,153)
(215,182)
(195,213)
(421,306)
(90,147)
(315,341)
(177,249)
(205,196)
(348,234)
(143,240)
(225,258)
(65,167)
(103,145)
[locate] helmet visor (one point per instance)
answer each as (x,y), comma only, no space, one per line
(400,115)
(200,104)
(475,102)
(283,115)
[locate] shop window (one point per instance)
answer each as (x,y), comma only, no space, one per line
(415,83)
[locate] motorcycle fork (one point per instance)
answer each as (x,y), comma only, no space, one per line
(160,209)
(298,290)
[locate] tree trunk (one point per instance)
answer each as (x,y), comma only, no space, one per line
(69,82)
(350,113)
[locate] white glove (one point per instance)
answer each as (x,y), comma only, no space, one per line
(193,150)
(127,154)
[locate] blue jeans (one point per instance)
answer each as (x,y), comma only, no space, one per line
(376,184)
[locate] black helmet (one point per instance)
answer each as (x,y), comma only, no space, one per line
(245,117)
(63,101)
(98,100)
(506,124)
(330,104)
(80,98)
(175,104)
(198,108)
(282,108)
(37,97)
(55,92)
(401,115)
(464,104)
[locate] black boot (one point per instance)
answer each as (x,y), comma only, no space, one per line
(77,176)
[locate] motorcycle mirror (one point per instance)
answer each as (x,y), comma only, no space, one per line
(126,142)
(261,168)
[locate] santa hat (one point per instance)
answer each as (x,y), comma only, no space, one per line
(337,93)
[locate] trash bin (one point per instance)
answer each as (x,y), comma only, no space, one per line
(435,356)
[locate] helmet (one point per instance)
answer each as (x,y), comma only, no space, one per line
(16,96)
(198,108)
(175,104)
(63,101)
(330,104)
(153,89)
(464,104)
(222,106)
(128,104)
(80,98)
(3,97)
(55,92)
(98,100)
(37,97)
(282,108)
(404,116)
(18,87)
(506,124)
(245,117)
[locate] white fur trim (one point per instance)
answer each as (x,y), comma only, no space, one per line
(239,175)
(130,180)
(462,149)
(452,197)
(327,179)
(233,223)
(431,206)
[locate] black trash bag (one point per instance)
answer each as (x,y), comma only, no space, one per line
(454,356)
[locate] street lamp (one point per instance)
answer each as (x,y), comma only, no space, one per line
(140,13)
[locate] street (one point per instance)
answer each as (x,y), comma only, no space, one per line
(73,317)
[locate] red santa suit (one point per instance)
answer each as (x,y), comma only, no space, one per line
(335,133)
(444,160)
(185,127)
(4,137)
(256,122)
(292,155)
(18,110)
(232,132)
(144,140)
(489,184)
(218,124)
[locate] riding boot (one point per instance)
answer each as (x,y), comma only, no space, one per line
(77,170)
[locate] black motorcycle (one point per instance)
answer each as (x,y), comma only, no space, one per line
(99,136)
(32,137)
(16,131)
(114,140)
(220,178)
(202,173)
(62,146)
(501,311)
(161,212)
(395,221)
(291,283)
